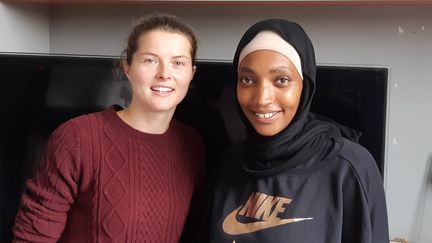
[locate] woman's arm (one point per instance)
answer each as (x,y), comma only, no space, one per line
(49,194)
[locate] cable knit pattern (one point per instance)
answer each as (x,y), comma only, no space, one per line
(114,190)
(100,180)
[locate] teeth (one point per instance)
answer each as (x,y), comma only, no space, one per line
(266,115)
(162,89)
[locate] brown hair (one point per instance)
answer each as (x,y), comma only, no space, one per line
(157,21)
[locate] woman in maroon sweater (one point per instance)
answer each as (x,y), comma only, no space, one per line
(123,175)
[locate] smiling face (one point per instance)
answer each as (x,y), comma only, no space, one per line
(161,71)
(269,88)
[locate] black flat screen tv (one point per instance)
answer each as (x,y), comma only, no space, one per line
(38,93)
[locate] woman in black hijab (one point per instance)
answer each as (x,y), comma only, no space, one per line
(297,177)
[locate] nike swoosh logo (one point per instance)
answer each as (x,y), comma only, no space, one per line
(233,227)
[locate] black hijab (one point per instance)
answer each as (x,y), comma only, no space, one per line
(308,135)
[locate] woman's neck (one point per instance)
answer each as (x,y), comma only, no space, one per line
(145,121)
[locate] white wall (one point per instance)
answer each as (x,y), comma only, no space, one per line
(24,28)
(398,37)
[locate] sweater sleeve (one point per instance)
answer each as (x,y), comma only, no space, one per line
(50,192)
(365,211)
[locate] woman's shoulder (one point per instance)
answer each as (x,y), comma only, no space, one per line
(89,119)
(187,136)
(76,125)
(359,159)
(185,130)
(355,153)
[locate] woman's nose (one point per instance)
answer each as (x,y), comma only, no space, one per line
(263,95)
(163,71)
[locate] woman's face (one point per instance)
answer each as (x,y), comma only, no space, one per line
(161,71)
(268,91)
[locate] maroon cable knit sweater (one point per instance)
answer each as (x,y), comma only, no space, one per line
(100,180)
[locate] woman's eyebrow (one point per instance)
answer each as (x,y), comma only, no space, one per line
(245,70)
(181,56)
(146,53)
(280,68)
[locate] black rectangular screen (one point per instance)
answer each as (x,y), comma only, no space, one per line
(38,93)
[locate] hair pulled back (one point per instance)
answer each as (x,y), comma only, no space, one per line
(158,21)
